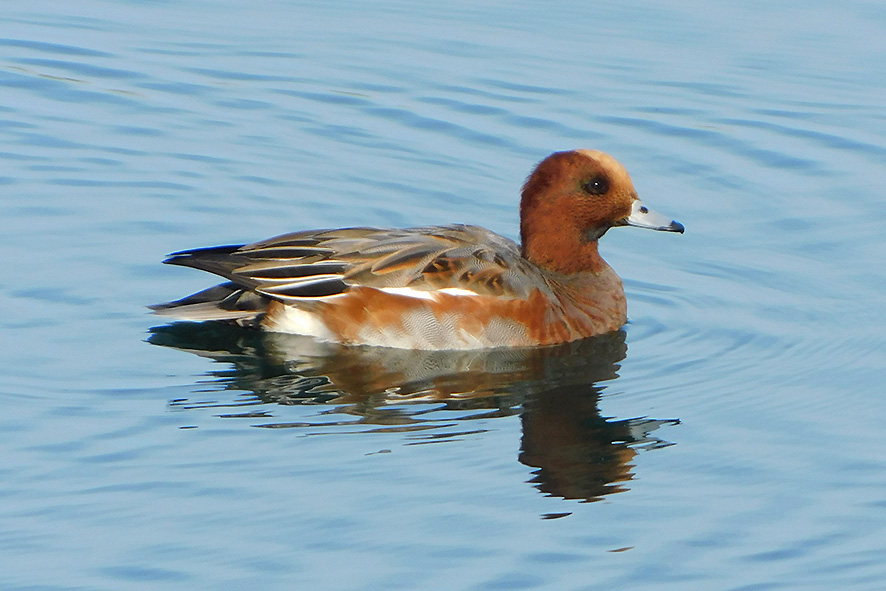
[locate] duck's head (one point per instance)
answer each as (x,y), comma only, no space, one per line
(570,200)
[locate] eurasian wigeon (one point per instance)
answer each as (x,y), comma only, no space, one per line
(440,287)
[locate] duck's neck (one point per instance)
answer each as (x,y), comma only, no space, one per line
(562,250)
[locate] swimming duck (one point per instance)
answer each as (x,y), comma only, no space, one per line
(440,287)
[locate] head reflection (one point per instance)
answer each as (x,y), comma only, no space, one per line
(574,451)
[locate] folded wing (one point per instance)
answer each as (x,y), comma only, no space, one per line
(304,267)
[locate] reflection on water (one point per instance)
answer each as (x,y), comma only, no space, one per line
(577,453)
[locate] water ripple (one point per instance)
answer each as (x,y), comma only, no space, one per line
(55,48)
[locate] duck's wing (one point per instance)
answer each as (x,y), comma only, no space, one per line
(306,266)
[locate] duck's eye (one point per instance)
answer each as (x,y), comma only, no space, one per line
(596,186)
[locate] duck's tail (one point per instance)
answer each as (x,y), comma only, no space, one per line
(227,302)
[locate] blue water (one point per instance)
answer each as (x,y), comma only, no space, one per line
(729,438)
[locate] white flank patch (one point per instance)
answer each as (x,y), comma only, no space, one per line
(295,321)
(457,291)
(408,292)
(422,294)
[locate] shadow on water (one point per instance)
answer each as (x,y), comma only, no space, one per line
(576,452)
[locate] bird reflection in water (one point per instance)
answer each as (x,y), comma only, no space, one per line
(434,395)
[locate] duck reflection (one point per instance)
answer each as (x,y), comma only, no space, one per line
(575,452)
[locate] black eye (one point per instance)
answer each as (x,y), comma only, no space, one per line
(596,186)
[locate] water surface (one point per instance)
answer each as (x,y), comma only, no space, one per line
(728,438)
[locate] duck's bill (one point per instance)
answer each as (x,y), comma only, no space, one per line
(643,217)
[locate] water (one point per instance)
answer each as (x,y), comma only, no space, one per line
(729,438)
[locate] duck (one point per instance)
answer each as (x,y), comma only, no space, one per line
(450,287)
